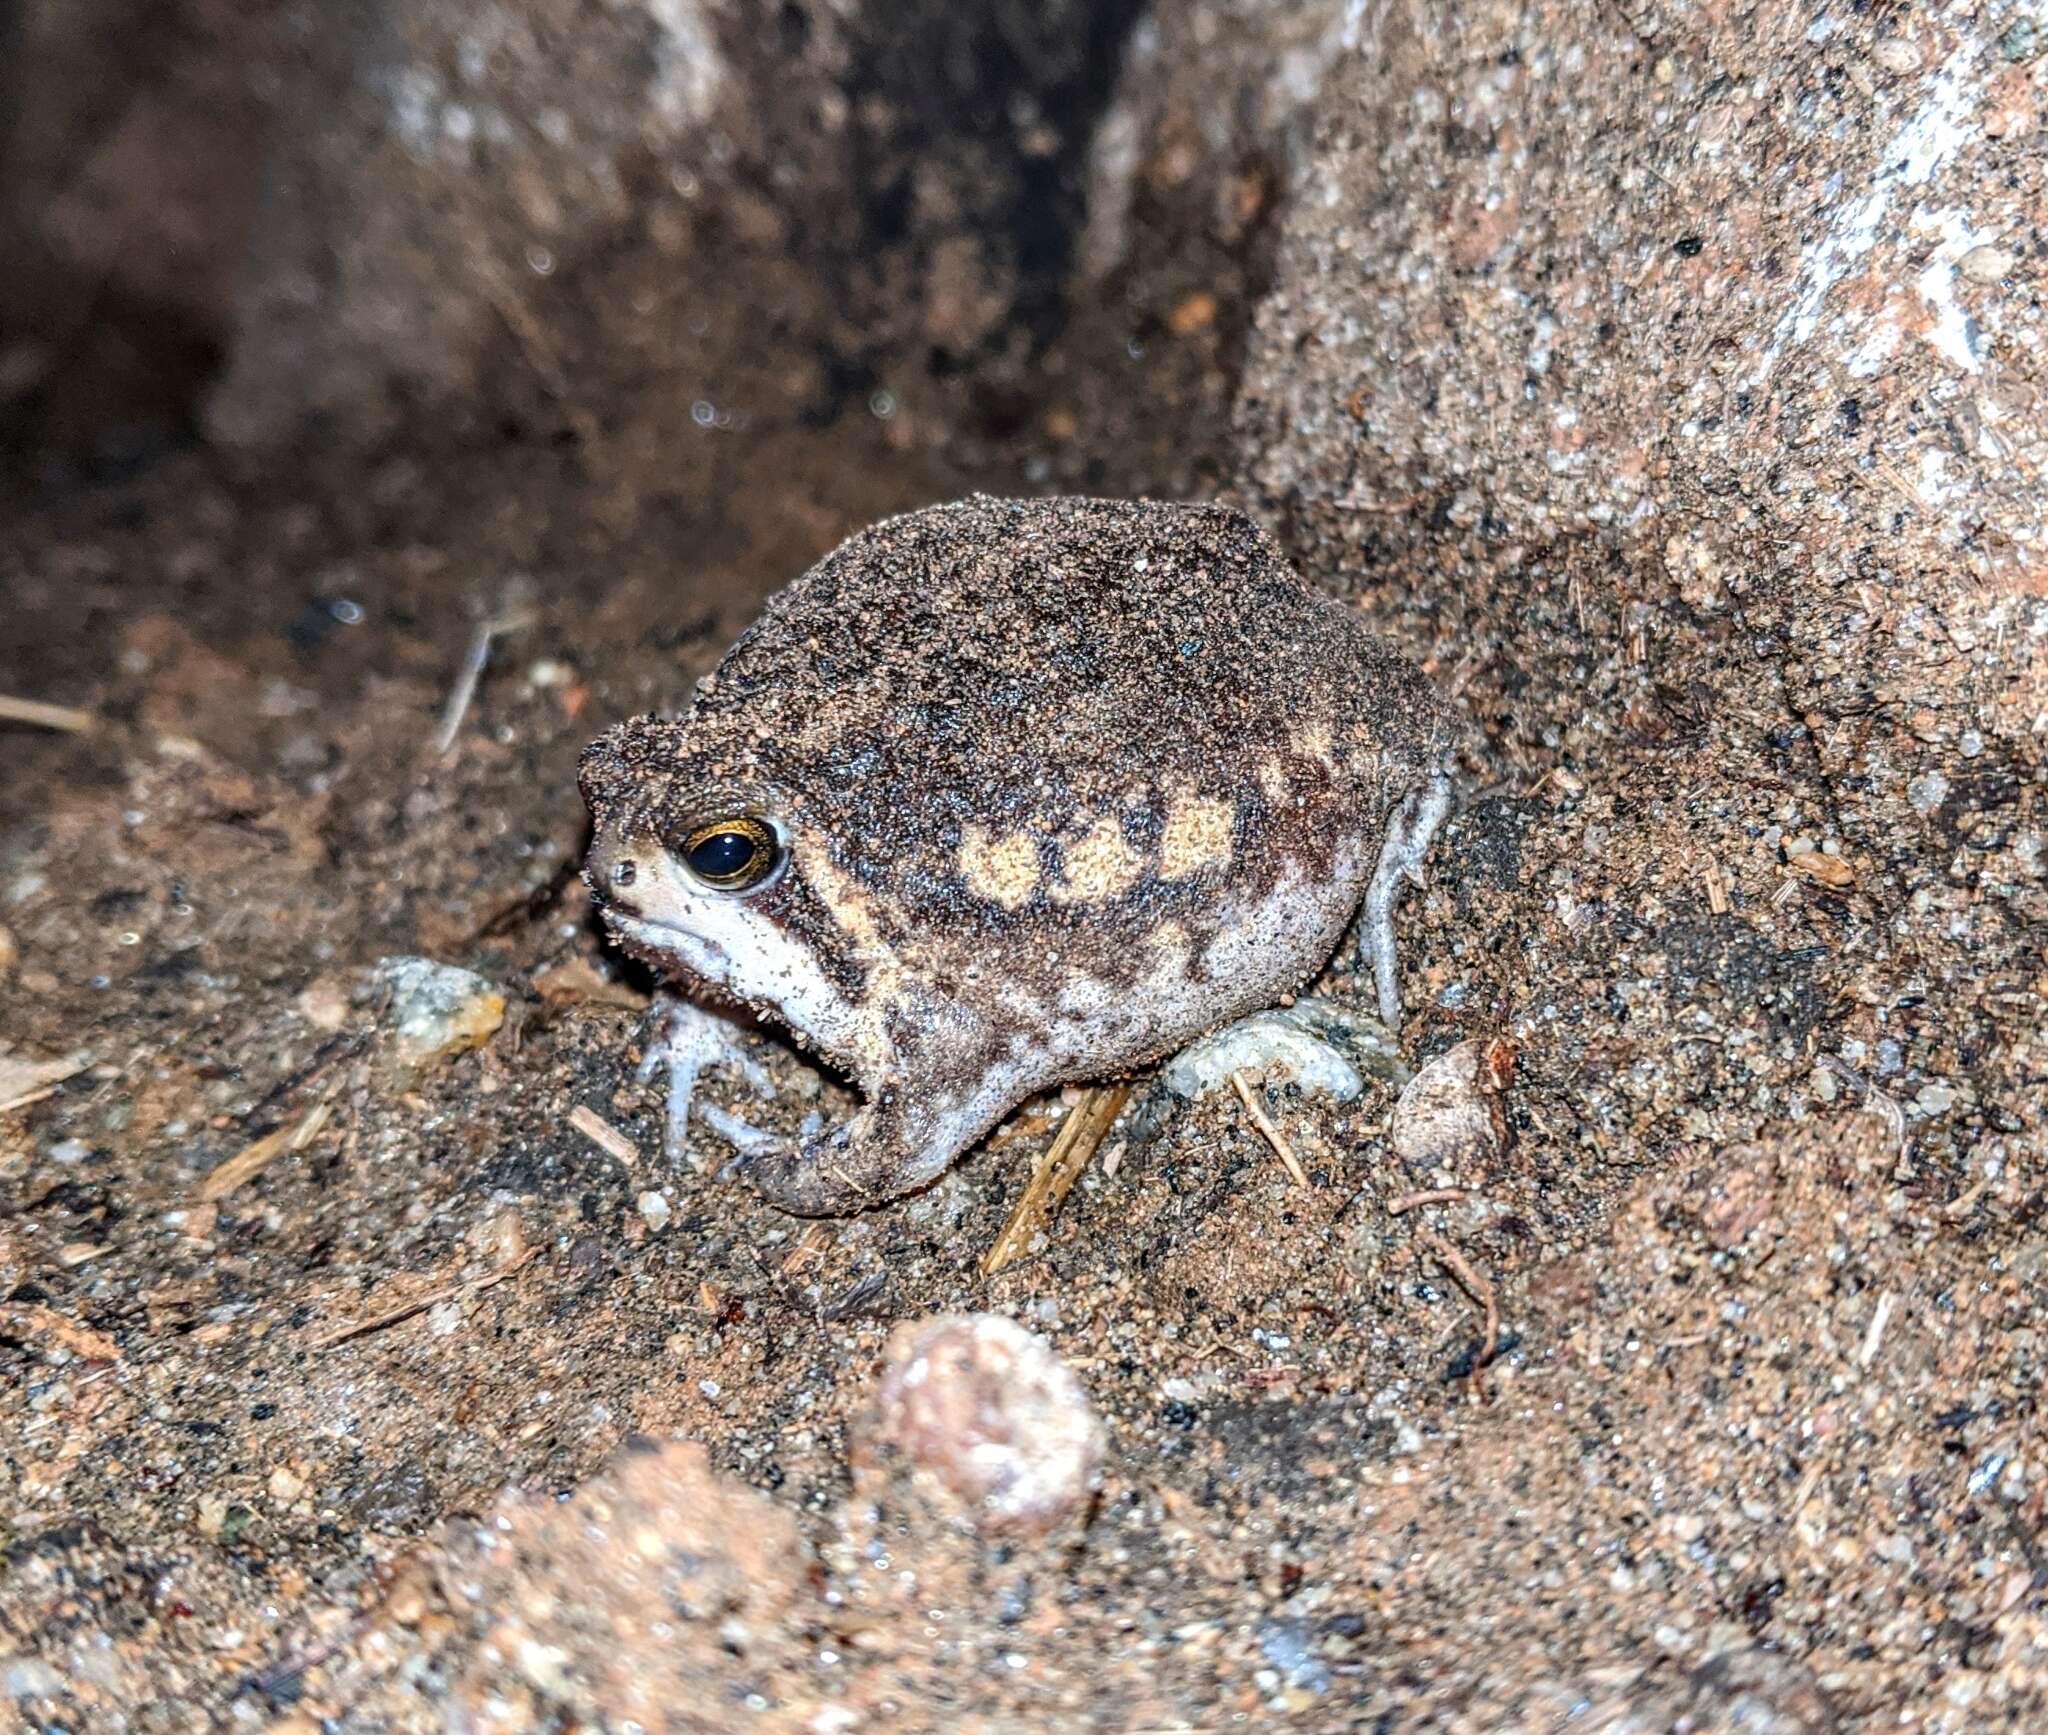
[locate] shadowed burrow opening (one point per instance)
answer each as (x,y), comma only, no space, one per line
(131,162)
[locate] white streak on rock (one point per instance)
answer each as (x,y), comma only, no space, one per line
(1926,144)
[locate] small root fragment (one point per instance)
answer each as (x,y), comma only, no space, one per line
(39,714)
(1873,1339)
(1474,1285)
(600,1132)
(1430,1196)
(417,1305)
(1268,1131)
(463,692)
(258,1154)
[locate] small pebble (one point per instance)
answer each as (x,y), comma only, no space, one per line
(1286,1646)
(1935,1098)
(1986,264)
(435,1011)
(1451,1110)
(28,1678)
(1928,791)
(988,1412)
(1319,1046)
(324,1003)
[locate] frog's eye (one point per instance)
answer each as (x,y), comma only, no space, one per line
(732,855)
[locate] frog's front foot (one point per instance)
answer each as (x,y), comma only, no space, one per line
(1409,832)
(684,1040)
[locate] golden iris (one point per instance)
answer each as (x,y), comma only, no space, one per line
(732,855)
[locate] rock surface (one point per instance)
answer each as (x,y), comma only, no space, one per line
(1754,293)
(628,1605)
(469,197)
(1646,372)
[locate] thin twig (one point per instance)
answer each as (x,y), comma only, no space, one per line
(37,714)
(1964,1203)
(1087,1123)
(463,692)
(1380,508)
(340,1047)
(600,1132)
(28,1081)
(1873,1339)
(1431,1196)
(1807,1484)
(1272,1376)
(419,1304)
(258,1154)
(1717,890)
(1886,1107)
(1269,1132)
(1475,1286)
(811,1244)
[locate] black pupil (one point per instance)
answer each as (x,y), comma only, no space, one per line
(723,855)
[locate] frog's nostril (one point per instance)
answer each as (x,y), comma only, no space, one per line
(610,869)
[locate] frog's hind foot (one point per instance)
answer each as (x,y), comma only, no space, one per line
(887,1148)
(1409,831)
(818,1177)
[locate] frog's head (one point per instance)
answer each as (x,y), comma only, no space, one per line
(706,870)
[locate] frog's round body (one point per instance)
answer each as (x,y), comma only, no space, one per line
(1057,785)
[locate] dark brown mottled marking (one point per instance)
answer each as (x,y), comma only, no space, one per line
(1014,663)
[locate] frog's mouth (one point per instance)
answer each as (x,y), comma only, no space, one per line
(667,947)
(737,950)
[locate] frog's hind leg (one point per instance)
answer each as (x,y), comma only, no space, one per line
(1409,831)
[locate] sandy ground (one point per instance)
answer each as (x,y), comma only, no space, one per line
(346,1393)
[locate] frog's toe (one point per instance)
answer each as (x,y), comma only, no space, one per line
(684,1041)
(744,1137)
(1409,831)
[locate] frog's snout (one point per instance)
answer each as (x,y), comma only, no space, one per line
(614,867)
